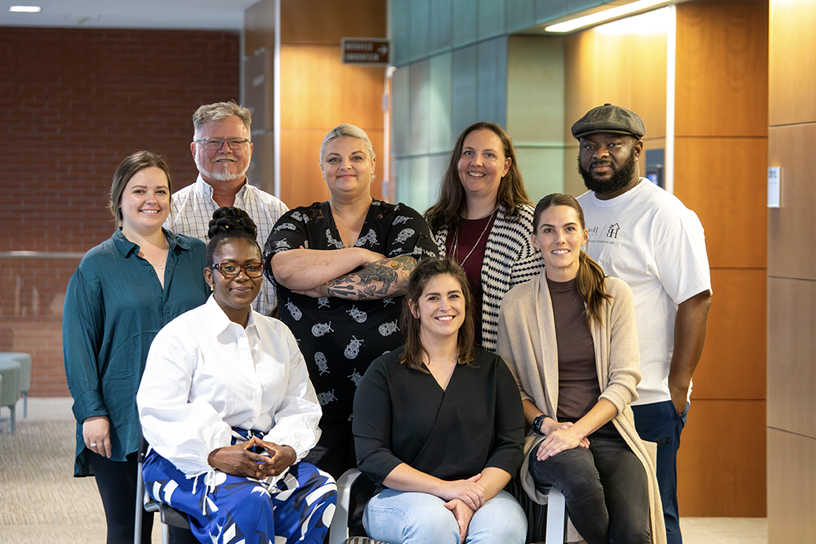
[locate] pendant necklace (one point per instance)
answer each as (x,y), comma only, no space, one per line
(456,238)
(166,251)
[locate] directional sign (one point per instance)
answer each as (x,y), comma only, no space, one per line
(371,51)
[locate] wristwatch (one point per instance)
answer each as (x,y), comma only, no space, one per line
(537,423)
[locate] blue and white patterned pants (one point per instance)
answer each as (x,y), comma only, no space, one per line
(296,509)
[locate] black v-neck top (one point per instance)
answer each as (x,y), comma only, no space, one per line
(403,416)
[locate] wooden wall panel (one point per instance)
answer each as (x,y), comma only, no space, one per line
(791,271)
(791,493)
(790,254)
(733,361)
(720,169)
(722,69)
(723,181)
(720,61)
(301,179)
(326,22)
(318,91)
(721,463)
(626,69)
(791,355)
(792,61)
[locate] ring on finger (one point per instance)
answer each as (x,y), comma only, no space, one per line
(93,444)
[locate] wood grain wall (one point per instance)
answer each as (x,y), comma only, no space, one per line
(720,158)
(792,275)
(318,92)
(608,64)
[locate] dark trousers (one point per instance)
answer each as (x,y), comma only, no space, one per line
(659,422)
(116,481)
(605,487)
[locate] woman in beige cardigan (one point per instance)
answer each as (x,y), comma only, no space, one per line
(569,337)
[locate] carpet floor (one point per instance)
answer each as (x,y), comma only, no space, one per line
(40,500)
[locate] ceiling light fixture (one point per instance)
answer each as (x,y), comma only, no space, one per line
(601,16)
(25,9)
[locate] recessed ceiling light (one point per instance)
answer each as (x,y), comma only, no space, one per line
(25,9)
(601,16)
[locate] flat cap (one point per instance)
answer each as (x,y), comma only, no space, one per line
(609,118)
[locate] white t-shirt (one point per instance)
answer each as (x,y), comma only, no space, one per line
(649,239)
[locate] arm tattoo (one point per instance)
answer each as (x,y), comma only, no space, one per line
(382,279)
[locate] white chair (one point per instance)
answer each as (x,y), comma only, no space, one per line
(338,530)
(559,527)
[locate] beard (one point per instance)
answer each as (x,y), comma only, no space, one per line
(207,169)
(620,177)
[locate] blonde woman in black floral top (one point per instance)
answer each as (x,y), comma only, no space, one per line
(340,268)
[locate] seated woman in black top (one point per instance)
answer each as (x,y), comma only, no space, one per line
(438,425)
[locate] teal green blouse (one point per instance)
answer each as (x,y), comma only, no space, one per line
(114,306)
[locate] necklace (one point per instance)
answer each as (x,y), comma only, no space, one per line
(164,260)
(456,238)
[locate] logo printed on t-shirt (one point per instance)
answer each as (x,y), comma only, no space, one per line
(612,231)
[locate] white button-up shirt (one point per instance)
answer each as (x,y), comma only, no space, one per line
(192,208)
(206,374)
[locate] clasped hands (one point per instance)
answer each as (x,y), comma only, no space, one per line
(238,460)
(561,436)
(463,498)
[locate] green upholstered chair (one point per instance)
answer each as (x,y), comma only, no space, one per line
(10,391)
(25,373)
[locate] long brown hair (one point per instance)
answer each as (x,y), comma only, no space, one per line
(590,280)
(425,271)
(512,194)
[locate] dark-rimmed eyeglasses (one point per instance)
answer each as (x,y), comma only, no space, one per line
(213,144)
(230,269)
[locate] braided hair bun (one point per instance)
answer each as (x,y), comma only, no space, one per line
(228,224)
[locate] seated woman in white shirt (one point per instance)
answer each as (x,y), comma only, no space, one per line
(229,412)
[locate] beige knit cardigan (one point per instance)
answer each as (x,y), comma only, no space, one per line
(527,343)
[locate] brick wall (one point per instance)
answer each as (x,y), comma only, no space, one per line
(77,101)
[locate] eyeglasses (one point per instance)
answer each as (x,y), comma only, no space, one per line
(229,269)
(213,144)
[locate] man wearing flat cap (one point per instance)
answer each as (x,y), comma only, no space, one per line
(642,234)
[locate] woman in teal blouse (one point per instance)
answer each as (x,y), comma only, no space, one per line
(123,291)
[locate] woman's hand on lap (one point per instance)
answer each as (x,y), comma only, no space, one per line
(566,425)
(560,440)
(237,460)
(468,491)
(463,514)
(280,457)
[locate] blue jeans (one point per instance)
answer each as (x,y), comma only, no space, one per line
(399,517)
(659,422)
